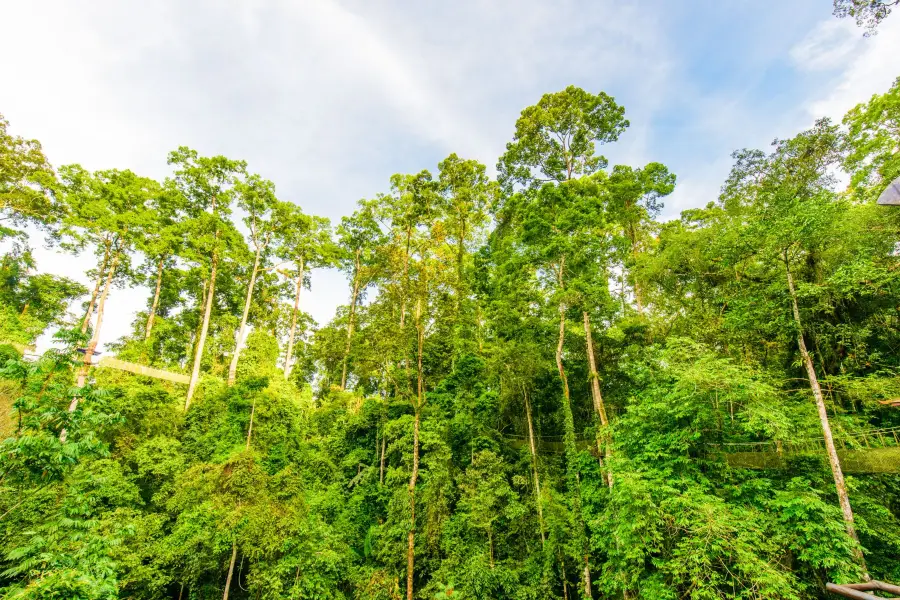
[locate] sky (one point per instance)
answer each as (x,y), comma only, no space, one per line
(329,98)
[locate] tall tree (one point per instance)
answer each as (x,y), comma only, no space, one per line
(634,198)
(305,241)
(206,185)
(256,197)
(360,236)
(112,206)
(26,182)
(466,195)
(788,194)
(161,246)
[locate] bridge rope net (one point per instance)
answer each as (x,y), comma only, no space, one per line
(888,437)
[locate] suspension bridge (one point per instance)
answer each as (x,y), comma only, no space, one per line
(865,451)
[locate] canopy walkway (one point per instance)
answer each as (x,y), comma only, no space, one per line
(111,362)
(865,451)
(868,451)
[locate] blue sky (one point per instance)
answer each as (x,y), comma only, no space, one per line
(328,98)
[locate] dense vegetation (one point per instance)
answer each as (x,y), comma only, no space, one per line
(526,396)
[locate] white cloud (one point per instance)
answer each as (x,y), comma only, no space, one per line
(863,66)
(828,46)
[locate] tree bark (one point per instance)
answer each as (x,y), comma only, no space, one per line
(155,305)
(411,536)
(836,471)
(420,400)
(534,465)
(571,450)
(90,309)
(239,343)
(230,570)
(95,339)
(603,441)
(350,321)
(638,294)
(288,365)
(250,428)
(383,445)
(204,329)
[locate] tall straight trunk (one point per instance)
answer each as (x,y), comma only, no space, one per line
(603,441)
(414,476)
(534,465)
(383,448)
(571,450)
(95,339)
(204,329)
(100,274)
(290,348)
(350,321)
(230,570)
(152,316)
(405,278)
(242,330)
(836,471)
(638,293)
(250,428)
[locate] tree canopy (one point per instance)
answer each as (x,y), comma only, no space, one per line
(536,388)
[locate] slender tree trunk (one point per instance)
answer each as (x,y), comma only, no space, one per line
(836,471)
(250,429)
(638,293)
(383,445)
(571,450)
(100,274)
(204,329)
(405,278)
(152,316)
(411,535)
(420,400)
(230,570)
(239,344)
(534,465)
(95,339)
(603,441)
(491,546)
(288,365)
(350,321)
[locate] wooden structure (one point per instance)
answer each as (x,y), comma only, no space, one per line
(114,363)
(859,591)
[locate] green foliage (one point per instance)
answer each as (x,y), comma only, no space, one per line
(448,416)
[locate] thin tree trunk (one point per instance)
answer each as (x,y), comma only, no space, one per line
(383,445)
(638,294)
(599,406)
(420,400)
(250,429)
(350,321)
(95,339)
(839,483)
(491,546)
(204,329)
(155,305)
(230,570)
(411,536)
(571,450)
(405,279)
(534,465)
(239,344)
(100,274)
(290,348)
